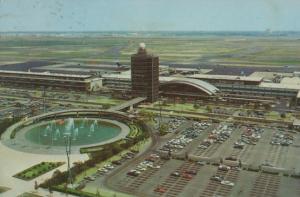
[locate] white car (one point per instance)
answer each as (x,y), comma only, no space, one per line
(154,155)
(224,167)
(227,183)
(102,170)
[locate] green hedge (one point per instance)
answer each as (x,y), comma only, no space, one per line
(73,192)
(4,124)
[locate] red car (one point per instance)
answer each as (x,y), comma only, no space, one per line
(191,172)
(187,176)
(160,189)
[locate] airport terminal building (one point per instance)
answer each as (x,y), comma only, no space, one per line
(53,80)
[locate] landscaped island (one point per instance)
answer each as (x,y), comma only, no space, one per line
(37,170)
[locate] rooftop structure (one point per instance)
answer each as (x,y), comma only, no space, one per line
(196,84)
(228,79)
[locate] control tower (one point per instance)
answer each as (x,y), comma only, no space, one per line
(145,74)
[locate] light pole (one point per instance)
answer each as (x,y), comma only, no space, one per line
(68,152)
(160,108)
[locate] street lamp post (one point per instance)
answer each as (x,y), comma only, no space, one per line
(68,152)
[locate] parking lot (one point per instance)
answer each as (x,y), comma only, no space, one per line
(238,152)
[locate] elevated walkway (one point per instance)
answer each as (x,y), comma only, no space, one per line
(128,104)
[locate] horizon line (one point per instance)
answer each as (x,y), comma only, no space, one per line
(134,31)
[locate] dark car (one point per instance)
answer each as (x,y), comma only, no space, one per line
(192,172)
(176,174)
(231,158)
(116,162)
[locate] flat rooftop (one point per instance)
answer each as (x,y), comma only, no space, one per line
(226,77)
(44,74)
(270,75)
(280,86)
(291,80)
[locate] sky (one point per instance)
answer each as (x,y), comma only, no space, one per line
(149,15)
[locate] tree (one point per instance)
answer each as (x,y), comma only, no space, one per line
(146,114)
(163,129)
(256,105)
(98,193)
(196,106)
(36,185)
(267,106)
(209,108)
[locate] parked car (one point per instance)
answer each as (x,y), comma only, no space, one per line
(224,167)
(217,178)
(176,174)
(160,189)
(187,176)
(227,183)
(134,173)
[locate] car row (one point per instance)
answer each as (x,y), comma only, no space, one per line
(221,180)
(282,138)
(187,136)
(250,136)
(149,162)
(174,123)
(186,174)
(218,135)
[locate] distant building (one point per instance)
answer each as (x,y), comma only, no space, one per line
(145,74)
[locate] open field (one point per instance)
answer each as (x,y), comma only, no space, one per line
(223,50)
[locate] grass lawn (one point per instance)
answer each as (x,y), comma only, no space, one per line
(106,100)
(276,116)
(180,107)
(172,113)
(37,170)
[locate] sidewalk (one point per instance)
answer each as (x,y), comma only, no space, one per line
(13,161)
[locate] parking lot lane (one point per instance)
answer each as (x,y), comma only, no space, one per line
(226,148)
(177,180)
(195,143)
(289,187)
(195,187)
(266,185)
(293,159)
(243,186)
(261,151)
(214,187)
(160,176)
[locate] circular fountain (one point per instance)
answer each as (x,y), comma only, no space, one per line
(47,134)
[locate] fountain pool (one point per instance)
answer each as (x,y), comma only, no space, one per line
(83,131)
